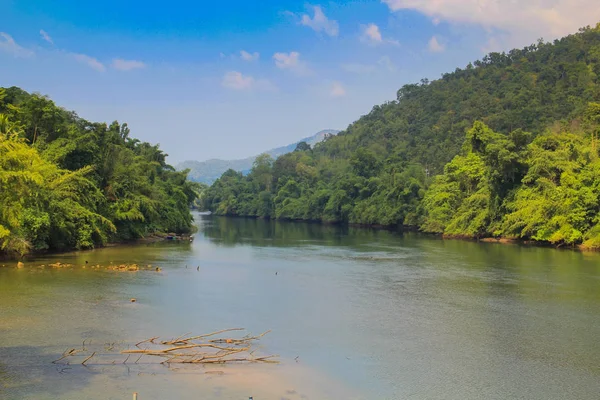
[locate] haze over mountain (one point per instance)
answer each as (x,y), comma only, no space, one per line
(210,170)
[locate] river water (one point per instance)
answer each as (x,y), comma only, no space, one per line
(353,313)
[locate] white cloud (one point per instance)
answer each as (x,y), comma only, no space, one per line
(237,81)
(287,60)
(320,23)
(249,56)
(90,62)
(127,65)
(45,36)
(372,35)
(524,21)
(8,45)
(337,90)
(435,46)
(291,61)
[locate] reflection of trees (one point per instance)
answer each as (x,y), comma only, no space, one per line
(525,270)
(233,231)
(135,253)
(463,265)
(526,302)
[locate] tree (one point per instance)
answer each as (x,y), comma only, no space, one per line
(302,146)
(67,183)
(44,206)
(409,162)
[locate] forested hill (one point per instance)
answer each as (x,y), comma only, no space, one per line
(210,170)
(67,183)
(530,88)
(529,117)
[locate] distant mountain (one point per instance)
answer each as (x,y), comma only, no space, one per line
(210,170)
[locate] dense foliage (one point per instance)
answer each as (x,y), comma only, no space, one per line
(206,172)
(66,183)
(526,168)
(546,190)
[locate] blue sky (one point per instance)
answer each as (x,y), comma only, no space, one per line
(229,79)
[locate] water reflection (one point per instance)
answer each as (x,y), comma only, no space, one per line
(258,232)
(370,314)
(453,311)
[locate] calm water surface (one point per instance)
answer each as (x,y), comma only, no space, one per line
(354,314)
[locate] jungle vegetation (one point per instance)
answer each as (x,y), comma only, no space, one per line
(506,147)
(67,183)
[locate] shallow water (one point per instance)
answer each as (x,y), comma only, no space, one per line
(354,314)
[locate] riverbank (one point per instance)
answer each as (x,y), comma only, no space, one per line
(159,237)
(519,242)
(412,228)
(154,238)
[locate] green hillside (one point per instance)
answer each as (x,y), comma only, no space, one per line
(529,117)
(67,183)
(208,171)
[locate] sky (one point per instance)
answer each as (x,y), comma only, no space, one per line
(229,79)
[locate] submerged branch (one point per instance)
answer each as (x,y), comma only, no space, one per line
(88,358)
(179,340)
(188,350)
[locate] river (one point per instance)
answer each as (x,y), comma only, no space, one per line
(353,313)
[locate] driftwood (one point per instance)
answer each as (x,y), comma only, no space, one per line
(88,358)
(179,340)
(68,353)
(201,349)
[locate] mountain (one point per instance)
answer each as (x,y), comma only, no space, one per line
(505,147)
(210,170)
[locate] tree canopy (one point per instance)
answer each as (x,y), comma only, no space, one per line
(67,183)
(504,147)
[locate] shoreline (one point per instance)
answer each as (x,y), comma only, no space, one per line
(151,239)
(162,237)
(415,229)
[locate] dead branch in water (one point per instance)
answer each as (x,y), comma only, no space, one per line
(185,347)
(86,360)
(242,340)
(188,350)
(179,340)
(67,353)
(266,359)
(151,340)
(200,350)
